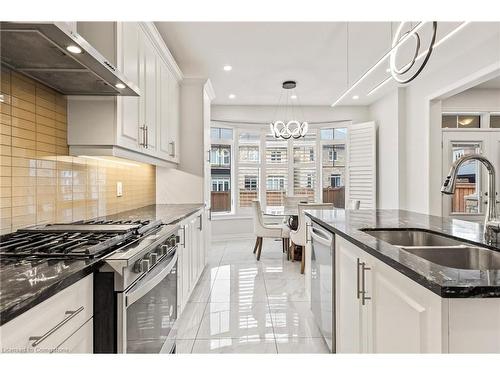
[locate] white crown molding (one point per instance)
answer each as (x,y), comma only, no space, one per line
(153,33)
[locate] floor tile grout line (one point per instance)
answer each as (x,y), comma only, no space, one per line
(208,298)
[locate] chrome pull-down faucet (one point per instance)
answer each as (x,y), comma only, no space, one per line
(491,220)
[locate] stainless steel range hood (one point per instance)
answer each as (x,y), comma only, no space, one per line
(39,50)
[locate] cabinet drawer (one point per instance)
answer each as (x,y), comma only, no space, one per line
(47,325)
(82,341)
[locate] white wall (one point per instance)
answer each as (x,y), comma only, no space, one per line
(174,186)
(311,113)
(470,56)
(467,59)
(473,100)
(388,113)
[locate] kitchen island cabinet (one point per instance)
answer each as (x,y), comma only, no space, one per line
(391,301)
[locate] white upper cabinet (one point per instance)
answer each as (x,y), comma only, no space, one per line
(144,128)
(131,64)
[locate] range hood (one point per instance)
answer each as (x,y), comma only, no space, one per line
(58,57)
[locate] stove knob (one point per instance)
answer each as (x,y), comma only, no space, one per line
(145,265)
(164,249)
(141,266)
(154,258)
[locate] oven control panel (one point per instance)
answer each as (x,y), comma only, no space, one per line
(155,255)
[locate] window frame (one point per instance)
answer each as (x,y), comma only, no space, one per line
(259,137)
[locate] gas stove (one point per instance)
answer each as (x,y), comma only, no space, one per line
(82,239)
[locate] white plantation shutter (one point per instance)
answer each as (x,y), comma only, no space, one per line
(361,179)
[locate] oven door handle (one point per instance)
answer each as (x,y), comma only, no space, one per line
(148,282)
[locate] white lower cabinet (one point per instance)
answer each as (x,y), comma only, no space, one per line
(379,310)
(192,258)
(63,322)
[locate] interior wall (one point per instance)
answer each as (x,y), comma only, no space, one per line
(469,55)
(388,113)
(266,113)
(39,182)
(473,100)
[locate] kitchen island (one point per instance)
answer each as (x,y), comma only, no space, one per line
(388,299)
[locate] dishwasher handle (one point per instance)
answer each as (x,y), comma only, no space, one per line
(321,236)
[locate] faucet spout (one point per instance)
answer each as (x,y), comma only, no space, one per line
(491,221)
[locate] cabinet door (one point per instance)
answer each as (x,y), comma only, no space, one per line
(128,134)
(173,117)
(149,96)
(82,341)
(163,111)
(403,316)
(349,318)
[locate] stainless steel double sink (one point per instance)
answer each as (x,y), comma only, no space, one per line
(439,249)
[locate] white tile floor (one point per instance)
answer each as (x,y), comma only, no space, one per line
(244,306)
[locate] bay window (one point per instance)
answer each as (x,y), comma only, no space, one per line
(269,169)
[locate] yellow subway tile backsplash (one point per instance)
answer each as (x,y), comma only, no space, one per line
(39,182)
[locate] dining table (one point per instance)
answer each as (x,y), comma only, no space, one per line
(291,213)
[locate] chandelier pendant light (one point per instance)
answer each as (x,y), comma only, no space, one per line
(290,126)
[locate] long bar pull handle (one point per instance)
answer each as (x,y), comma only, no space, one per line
(358,288)
(307,231)
(363,283)
(146,130)
(172,148)
(142,143)
(37,340)
(183,236)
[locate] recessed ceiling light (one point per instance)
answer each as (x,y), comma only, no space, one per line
(120,85)
(293,96)
(228,68)
(232,96)
(355,97)
(74,49)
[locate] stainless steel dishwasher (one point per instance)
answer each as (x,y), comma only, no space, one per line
(322,282)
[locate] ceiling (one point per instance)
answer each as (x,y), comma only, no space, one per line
(264,54)
(325,58)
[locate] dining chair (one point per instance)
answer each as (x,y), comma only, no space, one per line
(267,230)
(298,237)
(291,202)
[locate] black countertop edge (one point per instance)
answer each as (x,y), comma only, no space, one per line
(442,291)
(20,308)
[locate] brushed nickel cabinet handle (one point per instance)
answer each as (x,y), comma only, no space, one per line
(172,148)
(37,340)
(307,231)
(183,236)
(358,289)
(141,143)
(146,132)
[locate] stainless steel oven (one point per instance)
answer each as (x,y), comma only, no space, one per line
(149,310)
(138,288)
(323,282)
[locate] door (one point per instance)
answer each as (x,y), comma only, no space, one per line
(149,117)
(469,200)
(151,309)
(173,117)
(349,324)
(402,316)
(130,64)
(163,111)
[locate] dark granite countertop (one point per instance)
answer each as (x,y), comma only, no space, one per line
(26,283)
(444,281)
